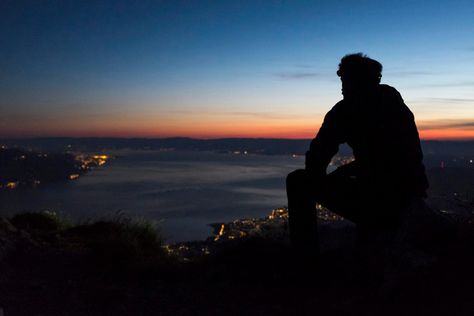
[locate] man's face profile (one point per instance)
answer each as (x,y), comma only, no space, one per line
(348,86)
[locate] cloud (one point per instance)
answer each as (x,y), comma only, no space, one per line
(450,100)
(265,115)
(409,73)
(447,124)
(448,84)
(305,66)
(296,75)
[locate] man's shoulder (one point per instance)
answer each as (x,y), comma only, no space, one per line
(389,92)
(339,106)
(386,87)
(337,112)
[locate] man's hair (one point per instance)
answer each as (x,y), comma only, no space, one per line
(359,67)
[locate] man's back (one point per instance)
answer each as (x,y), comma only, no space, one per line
(382,133)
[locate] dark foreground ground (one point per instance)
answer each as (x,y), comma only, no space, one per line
(120,268)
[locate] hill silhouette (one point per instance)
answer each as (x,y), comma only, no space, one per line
(118,267)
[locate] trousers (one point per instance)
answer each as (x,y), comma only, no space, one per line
(369,206)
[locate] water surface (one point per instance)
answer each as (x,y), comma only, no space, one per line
(185,191)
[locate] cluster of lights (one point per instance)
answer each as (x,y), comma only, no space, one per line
(238,152)
(275,222)
(11,185)
(90,161)
(87,162)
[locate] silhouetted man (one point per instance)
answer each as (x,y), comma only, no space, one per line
(387,171)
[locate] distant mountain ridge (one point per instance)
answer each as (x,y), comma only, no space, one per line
(269,146)
(251,145)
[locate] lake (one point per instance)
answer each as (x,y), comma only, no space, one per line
(185,191)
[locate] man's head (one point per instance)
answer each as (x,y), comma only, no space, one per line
(359,73)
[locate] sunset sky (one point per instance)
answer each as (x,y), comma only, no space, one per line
(213,69)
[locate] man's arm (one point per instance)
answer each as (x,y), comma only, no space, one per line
(326,143)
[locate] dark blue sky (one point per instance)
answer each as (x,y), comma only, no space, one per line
(198,68)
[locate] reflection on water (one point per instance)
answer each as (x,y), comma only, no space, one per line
(184,190)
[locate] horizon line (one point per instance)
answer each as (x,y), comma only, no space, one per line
(460,139)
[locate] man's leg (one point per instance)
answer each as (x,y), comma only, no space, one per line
(339,191)
(371,208)
(302,214)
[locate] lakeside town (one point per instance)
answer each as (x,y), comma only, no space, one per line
(273,227)
(20,168)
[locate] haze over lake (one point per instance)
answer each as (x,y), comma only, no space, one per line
(186,191)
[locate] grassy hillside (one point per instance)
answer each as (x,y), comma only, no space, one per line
(118,266)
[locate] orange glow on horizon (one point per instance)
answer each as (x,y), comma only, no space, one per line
(203,125)
(207,129)
(195,129)
(446,134)
(284,133)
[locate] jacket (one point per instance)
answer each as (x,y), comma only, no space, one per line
(382,133)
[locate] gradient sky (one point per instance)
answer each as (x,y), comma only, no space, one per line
(225,68)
